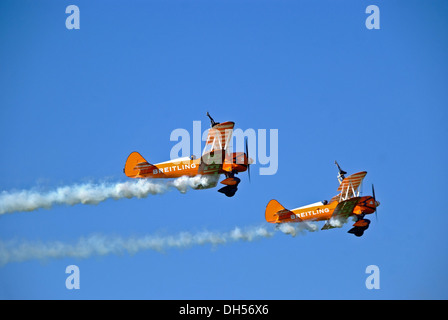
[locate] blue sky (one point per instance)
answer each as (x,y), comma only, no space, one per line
(75,103)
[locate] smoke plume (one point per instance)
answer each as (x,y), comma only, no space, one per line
(101,245)
(90,193)
(298,228)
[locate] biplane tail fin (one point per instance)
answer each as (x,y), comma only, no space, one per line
(135,165)
(273,210)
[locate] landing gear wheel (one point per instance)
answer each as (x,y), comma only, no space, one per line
(363,225)
(229,191)
(357,231)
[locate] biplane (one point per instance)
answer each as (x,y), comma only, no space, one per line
(347,203)
(216,160)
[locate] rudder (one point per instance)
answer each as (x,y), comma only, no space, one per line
(272,209)
(135,164)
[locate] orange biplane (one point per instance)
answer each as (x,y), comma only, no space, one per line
(215,160)
(336,212)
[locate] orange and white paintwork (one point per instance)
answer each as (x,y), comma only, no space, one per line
(347,203)
(214,161)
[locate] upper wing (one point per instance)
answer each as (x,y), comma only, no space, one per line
(215,147)
(219,137)
(349,187)
(341,213)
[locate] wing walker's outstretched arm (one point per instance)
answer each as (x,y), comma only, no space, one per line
(342,173)
(211,120)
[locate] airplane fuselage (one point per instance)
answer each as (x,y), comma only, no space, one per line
(236,163)
(322,211)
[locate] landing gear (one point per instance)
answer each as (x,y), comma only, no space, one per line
(229,191)
(231,183)
(359,227)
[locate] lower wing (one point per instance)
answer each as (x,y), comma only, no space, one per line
(340,214)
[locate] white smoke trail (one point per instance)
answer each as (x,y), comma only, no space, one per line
(89,193)
(337,222)
(298,228)
(100,245)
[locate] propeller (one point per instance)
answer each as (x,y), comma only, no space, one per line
(376,203)
(248,159)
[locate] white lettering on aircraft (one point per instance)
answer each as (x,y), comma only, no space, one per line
(174,168)
(310,213)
